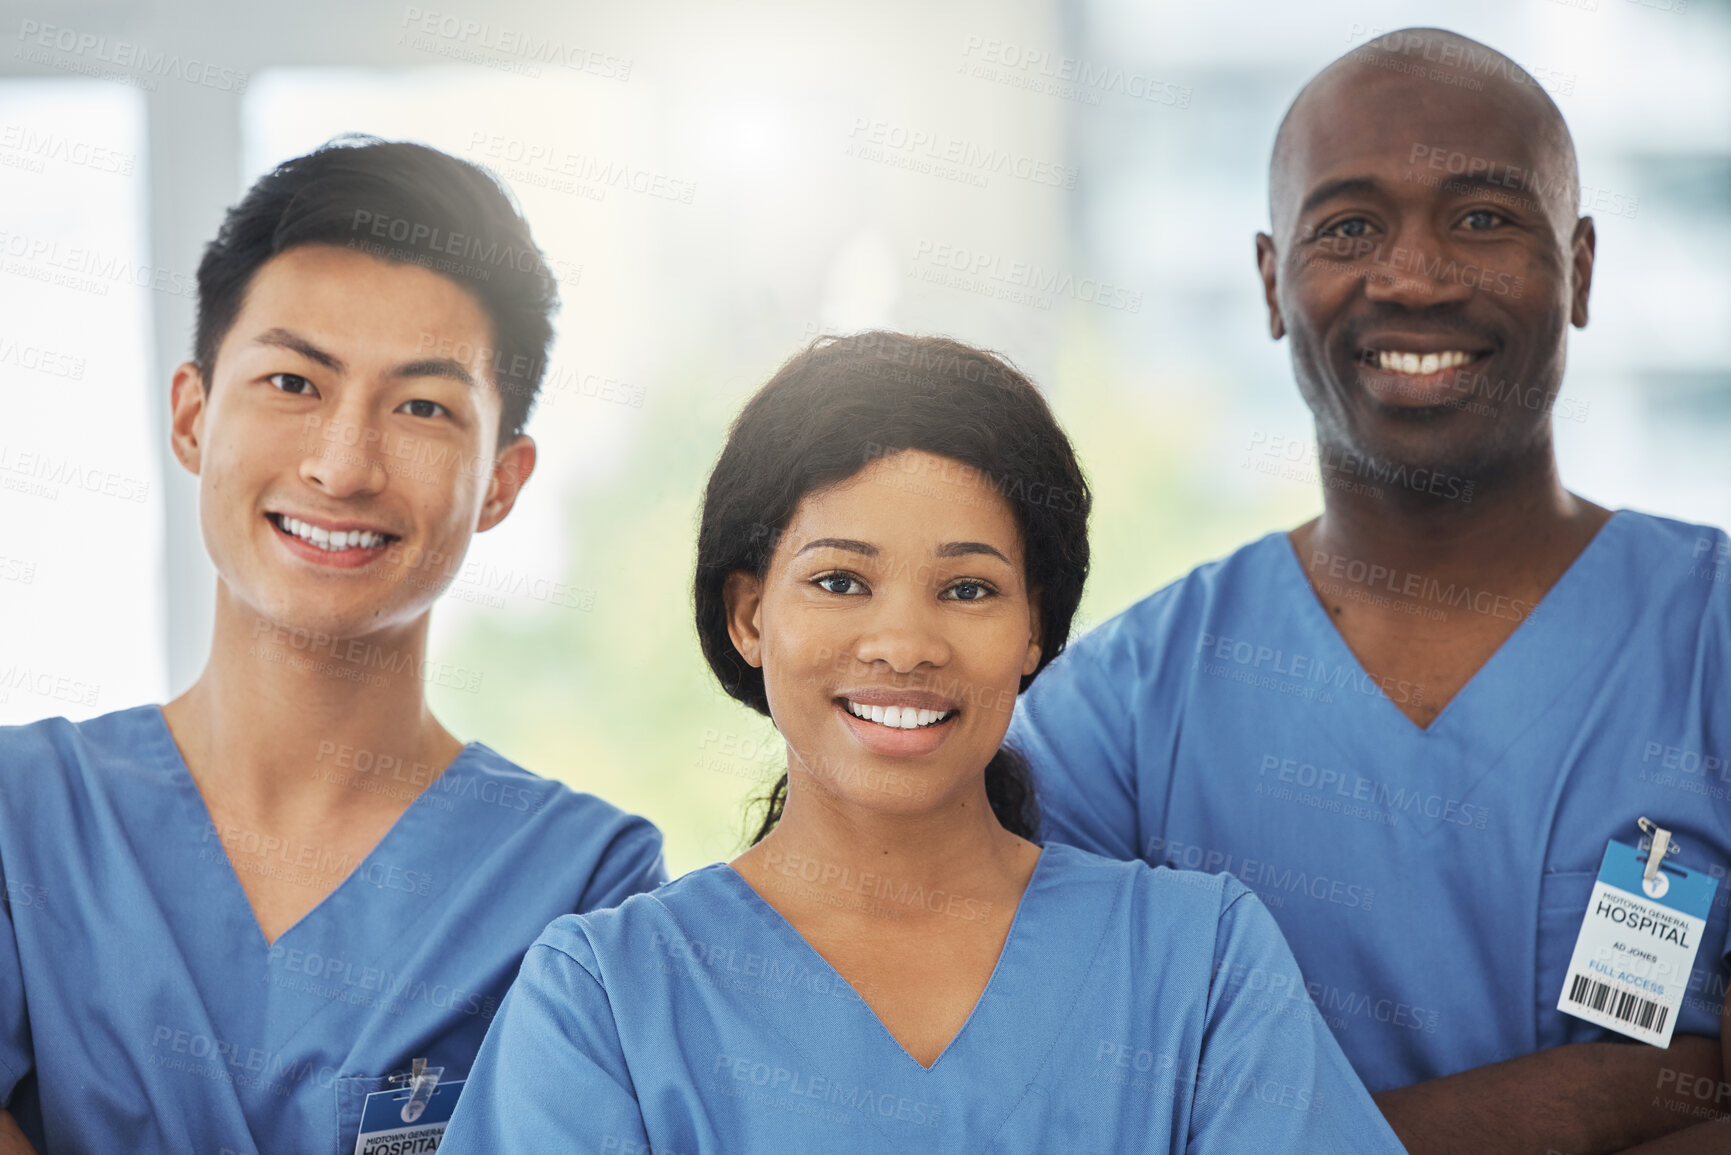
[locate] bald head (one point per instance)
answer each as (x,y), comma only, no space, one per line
(1443,101)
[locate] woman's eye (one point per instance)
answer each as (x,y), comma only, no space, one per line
(1483,220)
(292,383)
(839,583)
(970,591)
(420,407)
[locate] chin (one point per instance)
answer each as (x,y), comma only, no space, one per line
(307,614)
(1440,438)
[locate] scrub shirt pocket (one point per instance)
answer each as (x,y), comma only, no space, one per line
(352,1092)
(1563,899)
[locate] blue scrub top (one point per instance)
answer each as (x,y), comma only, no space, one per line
(1431,882)
(141,1008)
(1131,1010)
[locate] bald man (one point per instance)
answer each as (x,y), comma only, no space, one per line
(1425,726)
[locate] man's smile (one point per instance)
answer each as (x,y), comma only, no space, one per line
(340,544)
(1412,364)
(1415,370)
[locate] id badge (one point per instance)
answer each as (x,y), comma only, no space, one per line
(387,1127)
(1637,944)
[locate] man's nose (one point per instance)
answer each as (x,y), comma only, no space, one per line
(345,462)
(1417,268)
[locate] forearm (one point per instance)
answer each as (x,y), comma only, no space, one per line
(12,1140)
(1702,1139)
(1583,1099)
(1705,1106)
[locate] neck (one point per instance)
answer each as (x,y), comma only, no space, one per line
(291,721)
(955,847)
(1516,521)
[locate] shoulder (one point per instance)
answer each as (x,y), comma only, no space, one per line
(1676,571)
(544,835)
(641,927)
(583,968)
(1166,932)
(58,751)
(1181,901)
(483,774)
(1663,550)
(1178,615)
(1100,684)
(1695,540)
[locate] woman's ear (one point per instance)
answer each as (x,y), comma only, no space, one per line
(1032,661)
(742,594)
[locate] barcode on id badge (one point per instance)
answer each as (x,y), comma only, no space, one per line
(1622,1005)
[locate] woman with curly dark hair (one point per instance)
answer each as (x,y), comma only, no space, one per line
(893,544)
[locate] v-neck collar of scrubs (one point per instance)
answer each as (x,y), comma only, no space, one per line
(1534,669)
(401,882)
(1035,962)
(404,837)
(1519,655)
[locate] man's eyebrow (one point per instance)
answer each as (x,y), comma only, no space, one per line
(294,342)
(848,544)
(447,367)
(436,367)
(1346,186)
(1483,180)
(964,548)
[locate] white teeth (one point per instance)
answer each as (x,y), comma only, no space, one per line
(327,540)
(1416,363)
(896,717)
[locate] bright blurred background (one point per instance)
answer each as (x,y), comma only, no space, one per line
(733,178)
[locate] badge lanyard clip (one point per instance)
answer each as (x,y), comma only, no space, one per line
(1658,843)
(421,1081)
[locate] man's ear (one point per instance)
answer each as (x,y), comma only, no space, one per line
(512,466)
(742,594)
(1581,259)
(1268,265)
(1032,661)
(186,423)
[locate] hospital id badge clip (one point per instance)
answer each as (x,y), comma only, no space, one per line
(410,1117)
(1638,940)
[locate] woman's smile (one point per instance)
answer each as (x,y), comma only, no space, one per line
(896,723)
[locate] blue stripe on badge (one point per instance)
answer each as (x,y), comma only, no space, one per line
(384,1109)
(1690,891)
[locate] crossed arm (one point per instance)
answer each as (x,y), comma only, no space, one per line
(1581,1099)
